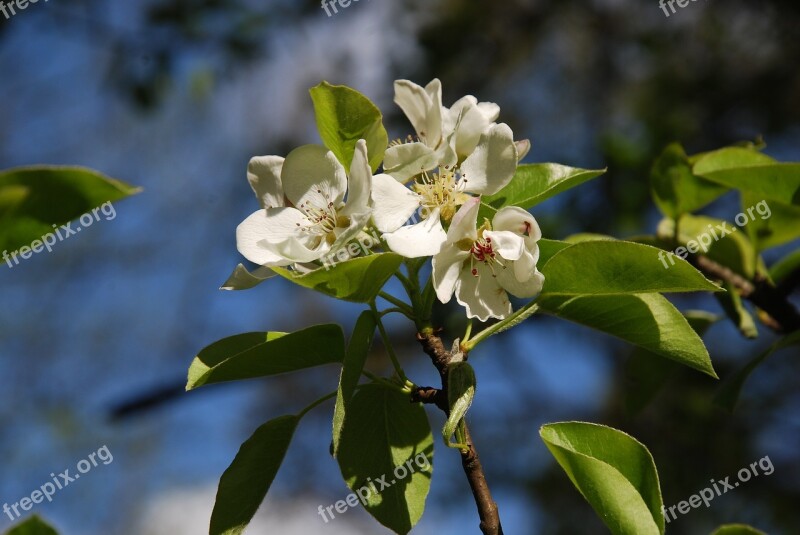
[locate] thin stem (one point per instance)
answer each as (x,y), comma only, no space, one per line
(385,382)
(399,303)
(468,332)
(517,317)
(317,403)
(387,343)
(388,311)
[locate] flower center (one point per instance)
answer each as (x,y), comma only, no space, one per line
(320,213)
(441,190)
(482,251)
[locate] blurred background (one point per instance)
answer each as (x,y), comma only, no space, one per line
(177,95)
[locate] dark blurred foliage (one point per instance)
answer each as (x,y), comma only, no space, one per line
(726,73)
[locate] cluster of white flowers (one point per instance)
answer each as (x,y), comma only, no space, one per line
(311,207)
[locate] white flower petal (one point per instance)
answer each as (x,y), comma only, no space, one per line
(298,251)
(529,287)
(394,204)
(422,239)
(523,147)
(346,235)
(493,163)
(409,159)
(422,106)
(264,175)
(312,173)
(359,183)
(251,238)
(462,226)
(519,221)
(482,295)
(489,110)
(507,244)
(447,266)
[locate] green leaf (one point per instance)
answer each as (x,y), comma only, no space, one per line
(728,158)
(752,172)
(32,526)
(770,224)
(33,199)
(676,190)
(534,183)
(613,471)
(460,393)
(359,279)
(649,321)
(343,117)
(719,240)
(618,267)
(728,395)
(245,483)
(260,354)
(737,529)
(646,373)
(353,364)
(548,248)
(384,436)
(242,279)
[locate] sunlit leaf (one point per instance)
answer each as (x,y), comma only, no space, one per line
(261,354)
(613,471)
(343,117)
(386,437)
(359,279)
(618,267)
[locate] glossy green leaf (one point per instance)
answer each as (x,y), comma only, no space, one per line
(618,267)
(343,117)
(548,248)
(737,529)
(242,279)
(356,356)
(534,183)
(719,240)
(384,438)
(260,354)
(461,385)
(247,480)
(728,395)
(613,471)
(649,321)
(359,279)
(32,526)
(770,223)
(33,199)
(646,373)
(676,190)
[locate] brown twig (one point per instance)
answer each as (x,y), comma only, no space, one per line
(487,508)
(774,301)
